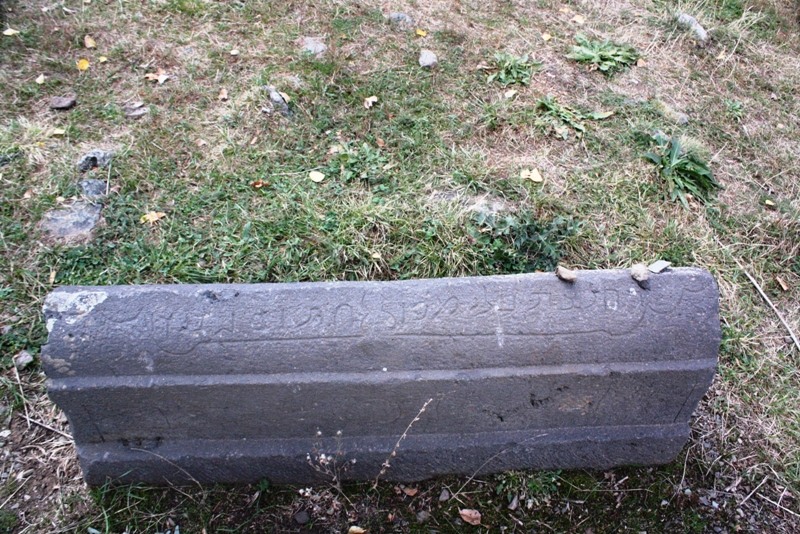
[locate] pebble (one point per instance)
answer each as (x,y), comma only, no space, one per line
(135,110)
(313,45)
(658,266)
(684,19)
(427,59)
(278,103)
(566,275)
(423,516)
(93,188)
(72,222)
(22,359)
(640,273)
(94,159)
(444,495)
(401,20)
(62,102)
(301,517)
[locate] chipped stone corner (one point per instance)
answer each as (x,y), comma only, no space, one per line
(70,306)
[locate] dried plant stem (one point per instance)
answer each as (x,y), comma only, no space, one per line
(385,465)
(48,427)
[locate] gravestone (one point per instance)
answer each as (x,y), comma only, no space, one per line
(298,382)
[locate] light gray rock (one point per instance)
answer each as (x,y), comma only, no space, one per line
(237,383)
(313,45)
(278,103)
(688,21)
(401,20)
(23,359)
(95,159)
(93,188)
(74,222)
(63,102)
(427,59)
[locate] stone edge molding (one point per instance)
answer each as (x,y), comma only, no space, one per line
(300,382)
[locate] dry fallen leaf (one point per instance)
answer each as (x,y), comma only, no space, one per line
(234,52)
(40,79)
(381,143)
(83,64)
(531,174)
(223,94)
(335,149)
(408,491)
(58,131)
(546,36)
(369,101)
(355,530)
(159,76)
(316,176)
(510,93)
(721,55)
(258,184)
(284,96)
(473,517)
(565,10)
(201,142)
(10,31)
(566,275)
(102,59)
(768,202)
(422,33)
(253,140)
(88,42)
(152,216)
(578,19)
(641,62)
(781,283)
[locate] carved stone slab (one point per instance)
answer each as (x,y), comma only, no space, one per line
(236,383)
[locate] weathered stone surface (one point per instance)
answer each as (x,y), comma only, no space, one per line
(62,102)
(95,159)
(72,223)
(427,59)
(235,383)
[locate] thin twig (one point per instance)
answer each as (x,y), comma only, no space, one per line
(779,506)
(765,297)
(50,428)
(170,463)
(755,490)
(385,465)
(15,492)
(22,394)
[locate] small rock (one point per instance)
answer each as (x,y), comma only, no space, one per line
(301,517)
(278,102)
(94,159)
(788,339)
(62,102)
(444,495)
(704,501)
(423,516)
(684,19)
(566,275)
(93,188)
(22,359)
(73,222)
(134,110)
(640,273)
(313,45)
(427,59)
(401,20)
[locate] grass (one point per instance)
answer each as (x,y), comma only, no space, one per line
(425,183)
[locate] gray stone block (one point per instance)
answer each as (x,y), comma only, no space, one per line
(235,383)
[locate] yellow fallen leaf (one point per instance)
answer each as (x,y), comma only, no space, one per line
(531,174)
(40,79)
(768,202)
(422,33)
(369,101)
(316,176)
(721,55)
(58,131)
(52,276)
(83,64)
(152,217)
(284,96)
(473,517)
(10,31)
(88,42)
(546,36)
(565,10)
(223,94)
(102,59)
(578,19)
(641,62)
